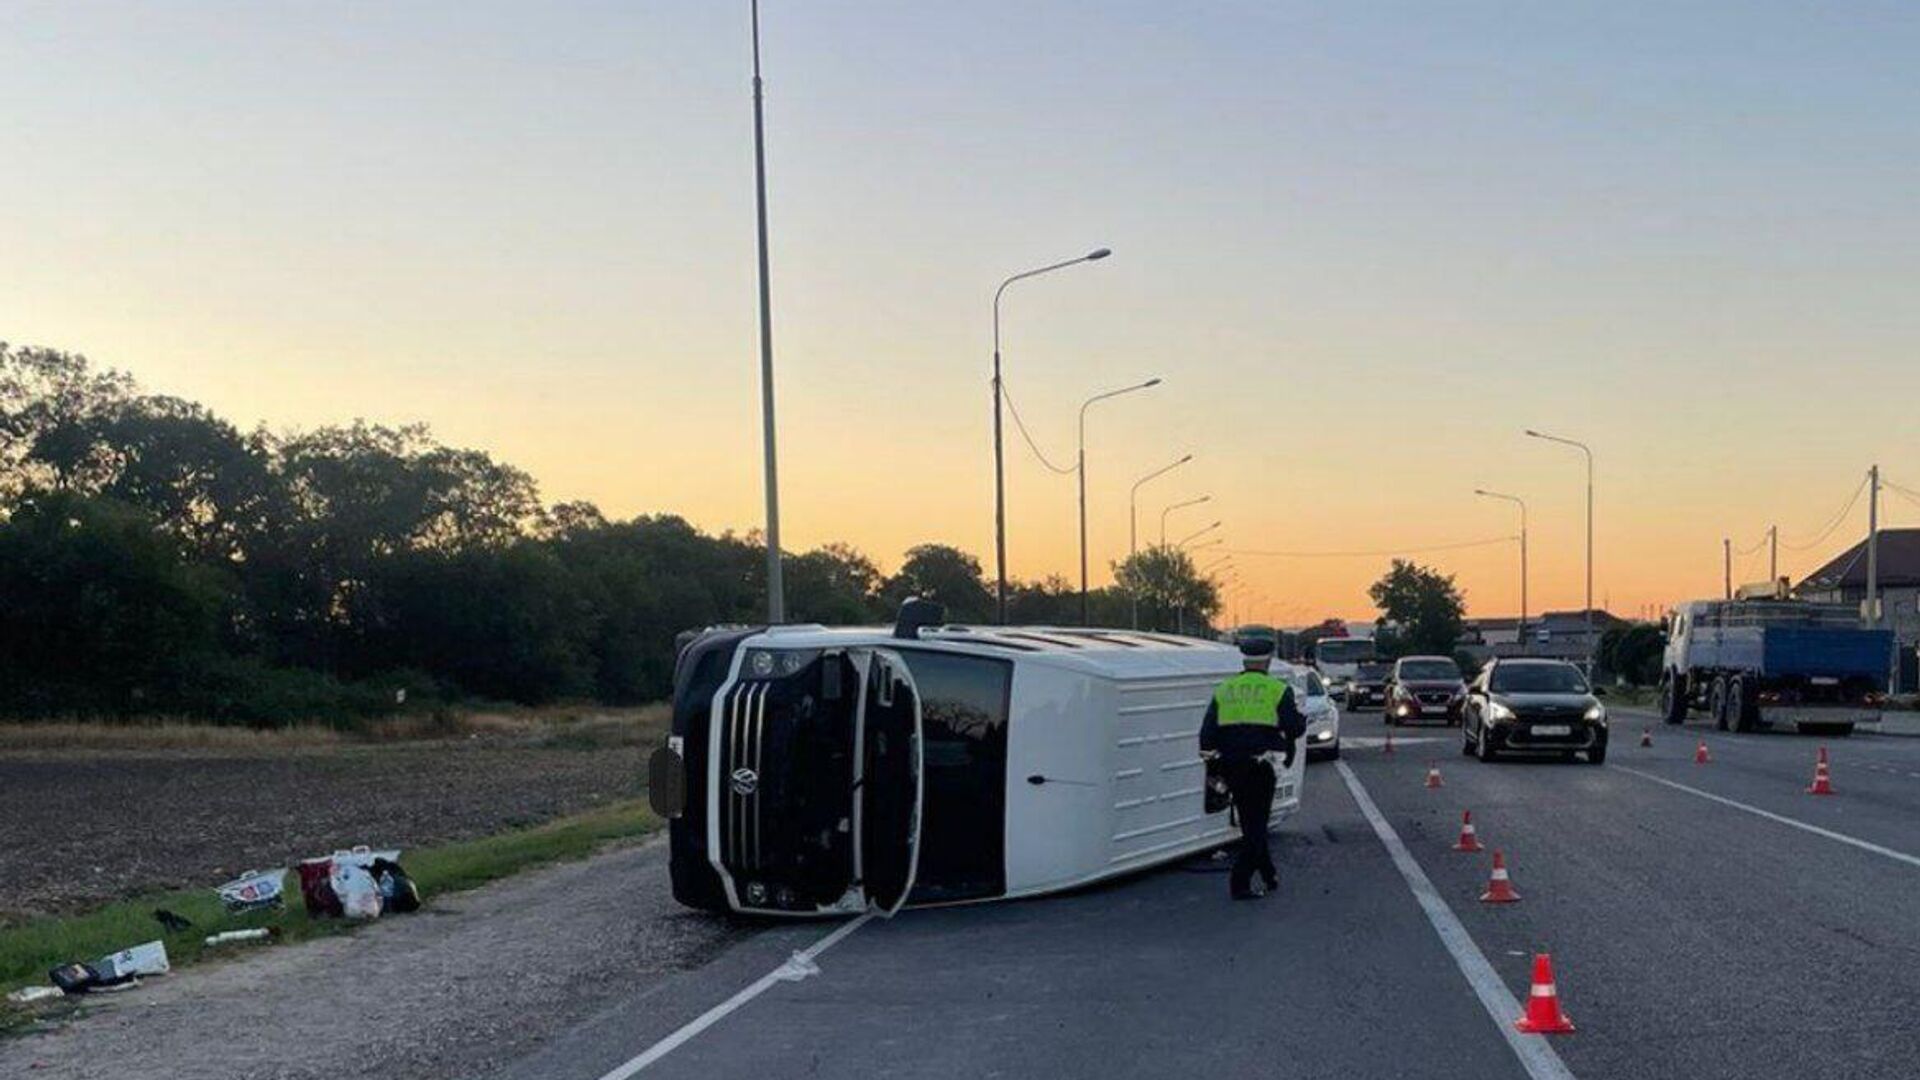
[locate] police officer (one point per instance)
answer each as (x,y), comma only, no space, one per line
(1251,722)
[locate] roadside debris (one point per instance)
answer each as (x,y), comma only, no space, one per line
(229,937)
(33,995)
(253,891)
(171,923)
(357,883)
(112,971)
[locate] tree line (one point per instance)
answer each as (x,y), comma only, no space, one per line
(155,559)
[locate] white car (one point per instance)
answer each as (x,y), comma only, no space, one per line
(1316,704)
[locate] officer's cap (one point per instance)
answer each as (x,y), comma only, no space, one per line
(1256,648)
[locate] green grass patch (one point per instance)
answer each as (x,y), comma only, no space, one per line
(29,949)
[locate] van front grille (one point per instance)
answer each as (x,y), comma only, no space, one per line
(743,728)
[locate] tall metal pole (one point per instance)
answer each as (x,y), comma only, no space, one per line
(1525,647)
(1726,549)
(999,449)
(1080,466)
(1773,555)
(1133,523)
(1588,451)
(776,585)
(1873,546)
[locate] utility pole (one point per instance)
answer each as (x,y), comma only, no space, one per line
(1773,555)
(1726,553)
(776,586)
(1873,546)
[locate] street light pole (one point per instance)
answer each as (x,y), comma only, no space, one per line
(776,585)
(1588,451)
(999,449)
(1171,509)
(1197,534)
(1080,466)
(1133,522)
(1525,646)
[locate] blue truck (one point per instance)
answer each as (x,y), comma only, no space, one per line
(1761,663)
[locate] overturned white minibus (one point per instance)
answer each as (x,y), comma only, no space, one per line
(820,771)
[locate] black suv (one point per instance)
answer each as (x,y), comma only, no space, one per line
(1534,706)
(1425,688)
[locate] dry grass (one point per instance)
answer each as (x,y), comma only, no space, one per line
(582,727)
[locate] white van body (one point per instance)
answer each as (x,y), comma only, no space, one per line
(1101,774)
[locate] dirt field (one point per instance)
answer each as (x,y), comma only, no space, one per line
(147,810)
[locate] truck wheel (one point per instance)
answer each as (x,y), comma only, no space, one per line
(1673,698)
(1740,705)
(1717,702)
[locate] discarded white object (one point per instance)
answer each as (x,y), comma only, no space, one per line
(147,959)
(798,966)
(253,890)
(27,995)
(359,894)
(228,937)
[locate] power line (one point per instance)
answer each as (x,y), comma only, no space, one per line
(1838,519)
(1027,435)
(1417,550)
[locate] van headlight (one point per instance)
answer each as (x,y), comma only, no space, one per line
(776,663)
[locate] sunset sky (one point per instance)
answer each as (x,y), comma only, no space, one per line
(1365,244)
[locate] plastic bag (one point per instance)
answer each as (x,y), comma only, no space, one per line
(359,894)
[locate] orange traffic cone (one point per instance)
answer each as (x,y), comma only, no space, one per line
(1388,748)
(1433,776)
(1543,1003)
(1499,889)
(1468,841)
(1700,756)
(1822,783)
(1646,736)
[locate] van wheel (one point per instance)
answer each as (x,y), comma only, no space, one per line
(1673,698)
(1717,702)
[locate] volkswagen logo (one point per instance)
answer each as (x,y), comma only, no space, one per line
(745,781)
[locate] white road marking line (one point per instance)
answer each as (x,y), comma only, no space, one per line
(1863,845)
(798,966)
(1536,1056)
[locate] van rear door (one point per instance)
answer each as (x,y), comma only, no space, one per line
(891,781)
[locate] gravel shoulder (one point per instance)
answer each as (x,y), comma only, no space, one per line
(477,980)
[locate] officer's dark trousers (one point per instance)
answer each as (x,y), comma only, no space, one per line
(1250,782)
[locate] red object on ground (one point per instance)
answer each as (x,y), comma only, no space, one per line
(1499,888)
(1433,776)
(1646,736)
(1700,756)
(1543,1015)
(1822,783)
(1468,841)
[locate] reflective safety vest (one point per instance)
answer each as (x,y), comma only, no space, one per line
(1251,697)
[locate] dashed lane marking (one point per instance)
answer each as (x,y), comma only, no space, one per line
(1536,1056)
(798,966)
(1804,826)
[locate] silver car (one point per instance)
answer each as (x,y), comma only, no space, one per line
(1322,740)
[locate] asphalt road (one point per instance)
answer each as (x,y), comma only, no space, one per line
(1704,921)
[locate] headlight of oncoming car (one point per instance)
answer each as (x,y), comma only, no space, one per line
(776,663)
(1497,711)
(1597,713)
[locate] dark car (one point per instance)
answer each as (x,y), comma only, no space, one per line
(1425,688)
(1534,707)
(1369,684)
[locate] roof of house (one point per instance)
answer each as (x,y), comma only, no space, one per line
(1899,559)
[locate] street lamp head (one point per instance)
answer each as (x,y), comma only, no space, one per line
(1186,459)
(1098,253)
(1155,381)
(1535,434)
